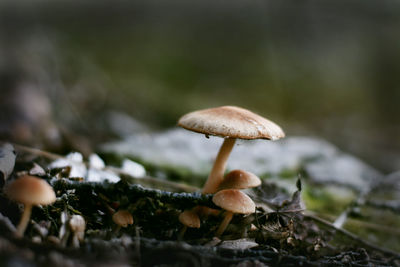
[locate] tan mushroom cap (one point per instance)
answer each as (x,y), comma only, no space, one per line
(231,121)
(30,190)
(190,219)
(240,179)
(235,201)
(123,218)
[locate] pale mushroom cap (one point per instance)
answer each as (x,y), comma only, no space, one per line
(122,218)
(30,190)
(240,179)
(231,121)
(234,200)
(77,223)
(190,219)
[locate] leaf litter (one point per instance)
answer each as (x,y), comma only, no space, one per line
(7,161)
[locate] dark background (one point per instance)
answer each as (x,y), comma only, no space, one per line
(323,68)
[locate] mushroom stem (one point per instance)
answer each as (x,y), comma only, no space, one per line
(75,241)
(23,223)
(217,172)
(182,233)
(224,223)
(117,229)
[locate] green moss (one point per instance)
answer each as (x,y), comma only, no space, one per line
(288,173)
(328,199)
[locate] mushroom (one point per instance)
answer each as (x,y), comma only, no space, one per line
(240,179)
(122,218)
(190,219)
(77,225)
(29,190)
(229,122)
(233,201)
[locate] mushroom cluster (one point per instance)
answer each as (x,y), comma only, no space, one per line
(231,199)
(231,123)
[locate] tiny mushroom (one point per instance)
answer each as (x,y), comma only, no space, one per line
(77,225)
(240,179)
(189,218)
(122,218)
(231,123)
(29,190)
(233,201)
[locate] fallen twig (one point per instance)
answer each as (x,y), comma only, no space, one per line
(38,152)
(135,191)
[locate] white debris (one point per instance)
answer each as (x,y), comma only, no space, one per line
(7,159)
(239,244)
(96,175)
(37,170)
(75,161)
(96,162)
(75,156)
(96,172)
(133,168)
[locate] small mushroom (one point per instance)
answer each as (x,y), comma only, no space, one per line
(77,225)
(122,218)
(240,179)
(229,122)
(233,201)
(29,190)
(188,218)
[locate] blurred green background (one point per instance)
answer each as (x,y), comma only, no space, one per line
(323,68)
